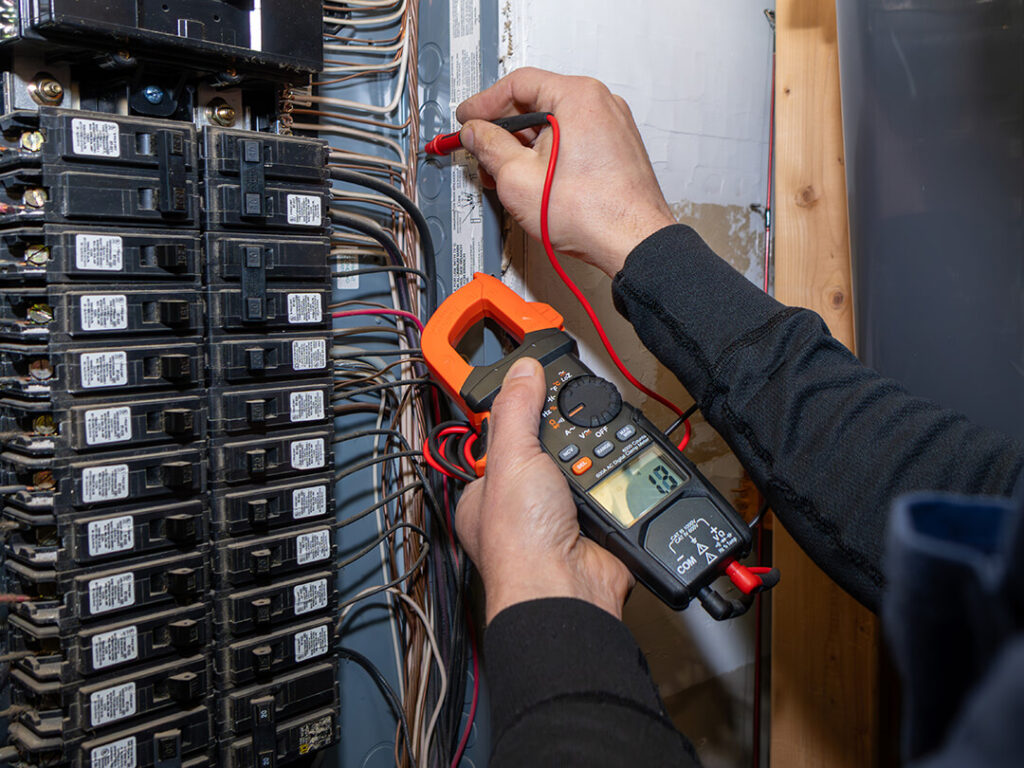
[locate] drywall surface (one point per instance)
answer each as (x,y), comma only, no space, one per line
(697,78)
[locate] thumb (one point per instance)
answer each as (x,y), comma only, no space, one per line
(494,147)
(515,416)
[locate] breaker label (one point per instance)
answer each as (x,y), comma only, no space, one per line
(115,534)
(311,596)
(108,425)
(346,282)
(308,454)
(309,502)
(309,354)
(104,313)
(103,369)
(316,734)
(95,137)
(105,483)
(312,547)
(103,253)
(116,754)
(305,210)
(307,405)
(311,643)
(112,704)
(304,308)
(111,592)
(115,647)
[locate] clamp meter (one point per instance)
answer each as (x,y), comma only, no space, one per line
(636,494)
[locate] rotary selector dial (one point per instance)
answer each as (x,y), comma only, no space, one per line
(589,401)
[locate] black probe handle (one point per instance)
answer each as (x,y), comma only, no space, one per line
(522,122)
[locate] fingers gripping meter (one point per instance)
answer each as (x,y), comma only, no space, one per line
(636,494)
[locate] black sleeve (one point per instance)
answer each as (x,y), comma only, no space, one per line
(828,441)
(569,687)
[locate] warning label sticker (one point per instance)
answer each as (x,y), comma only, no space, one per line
(311,643)
(309,354)
(103,253)
(305,210)
(107,312)
(107,483)
(307,405)
(115,647)
(108,425)
(112,704)
(115,534)
(304,308)
(116,754)
(111,592)
(316,734)
(98,138)
(308,454)
(311,596)
(309,502)
(103,369)
(312,547)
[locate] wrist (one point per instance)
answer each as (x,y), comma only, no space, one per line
(531,583)
(613,258)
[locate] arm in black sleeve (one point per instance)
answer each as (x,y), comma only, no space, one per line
(828,441)
(569,686)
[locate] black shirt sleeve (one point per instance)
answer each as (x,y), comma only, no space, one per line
(570,687)
(828,441)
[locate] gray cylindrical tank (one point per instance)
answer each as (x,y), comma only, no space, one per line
(933,117)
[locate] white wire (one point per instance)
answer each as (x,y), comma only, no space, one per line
(367,3)
(341,69)
(356,48)
(371,21)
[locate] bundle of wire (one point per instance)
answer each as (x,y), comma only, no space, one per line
(399,556)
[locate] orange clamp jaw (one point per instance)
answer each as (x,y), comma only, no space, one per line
(536,326)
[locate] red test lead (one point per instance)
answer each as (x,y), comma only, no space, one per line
(446,143)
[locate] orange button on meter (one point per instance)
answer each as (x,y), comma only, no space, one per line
(582,465)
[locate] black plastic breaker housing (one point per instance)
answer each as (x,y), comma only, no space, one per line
(278,455)
(266,507)
(56,253)
(258,609)
(56,709)
(68,653)
(283,743)
(245,710)
(44,540)
(269,358)
(296,307)
(43,369)
(251,259)
(262,559)
(235,410)
(263,657)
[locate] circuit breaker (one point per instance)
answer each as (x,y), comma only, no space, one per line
(165,388)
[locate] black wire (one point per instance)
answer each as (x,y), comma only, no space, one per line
(377,232)
(382,537)
(388,585)
(395,494)
(681,420)
(353,468)
(376,353)
(426,241)
(385,688)
(373,270)
(343,394)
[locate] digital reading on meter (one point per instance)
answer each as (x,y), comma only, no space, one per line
(636,494)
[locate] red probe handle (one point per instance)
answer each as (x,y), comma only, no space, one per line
(443,144)
(446,143)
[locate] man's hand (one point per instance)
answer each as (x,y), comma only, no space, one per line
(605,198)
(518,522)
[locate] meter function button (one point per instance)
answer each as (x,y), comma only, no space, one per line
(604,449)
(589,401)
(569,452)
(626,432)
(582,465)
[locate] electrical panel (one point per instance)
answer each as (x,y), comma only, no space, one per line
(165,393)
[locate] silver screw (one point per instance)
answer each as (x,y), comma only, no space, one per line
(32,141)
(221,113)
(46,91)
(40,370)
(154,94)
(34,197)
(37,255)
(40,313)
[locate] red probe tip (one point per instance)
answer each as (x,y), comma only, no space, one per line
(443,144)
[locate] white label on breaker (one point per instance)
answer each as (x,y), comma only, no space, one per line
(304,308)
(111,592)
(312,547)
(309,502)
(308,454)
(116,754)
(108,425)
(311,643)
(305,210)
(115,647)
(309,354)
(112,704)
(103,369)
(105,483)
(307,405)
(311,596)
(345,282)
(115,534)
(95,137)
(105,312)
(100,252)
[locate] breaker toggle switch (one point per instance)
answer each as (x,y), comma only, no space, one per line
(174,311)
(181,529)
(175,367)
(182,582)
(184,633)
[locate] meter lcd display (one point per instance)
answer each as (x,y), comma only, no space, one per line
(632,491)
